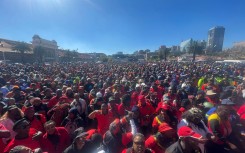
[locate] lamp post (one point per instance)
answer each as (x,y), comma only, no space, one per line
(194,51)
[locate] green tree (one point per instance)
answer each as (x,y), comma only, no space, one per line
(39,53)
(22,47)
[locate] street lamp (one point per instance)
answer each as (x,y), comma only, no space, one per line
(194,51)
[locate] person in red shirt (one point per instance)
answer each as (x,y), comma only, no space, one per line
(59,111)
(24,136)
(158,90)
(54,100)
(36,120)
(146,114)
(113,106)
(162,117)
(104,118)
(47,95)
(162,139)
(125,105)
(56,139)
(135,95)
(171,110)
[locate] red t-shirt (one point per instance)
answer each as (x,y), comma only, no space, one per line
(147,110)
(134,98)
(52,102)
(37,123)
(104,122)
(121,109)
(28,142)
(64,141)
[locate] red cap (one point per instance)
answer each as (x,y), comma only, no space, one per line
(185,131)
(165,107)
(164,127)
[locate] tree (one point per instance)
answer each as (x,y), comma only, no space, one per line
(22,47)
(39,53)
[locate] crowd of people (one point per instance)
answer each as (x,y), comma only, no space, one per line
(167,107)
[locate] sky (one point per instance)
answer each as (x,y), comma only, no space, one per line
(110,26)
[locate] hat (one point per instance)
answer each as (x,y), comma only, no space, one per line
(185,131)
(210,93)
(165,107)
(19,122)
(164,127)
(227,102)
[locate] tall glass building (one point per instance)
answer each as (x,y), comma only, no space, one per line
(185,46)
(215,39)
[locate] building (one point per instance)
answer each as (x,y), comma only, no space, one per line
(185,46)
(175,49)
(8,54)
(215,39)
(50,47)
